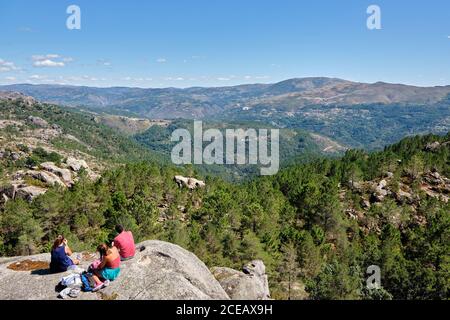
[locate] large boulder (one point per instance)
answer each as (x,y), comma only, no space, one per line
(404,197)
(15,156)
(189,182)
(166,271)
(355,186)
(64,174)
(46,177)
(379,191)
(3,199)
(365,204)
(160,270)
(28,193)
(38,121)
(8,190)
(249,284)
(432,146)
(76,165)
(17,96)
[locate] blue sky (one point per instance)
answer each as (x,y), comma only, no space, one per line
(218,43)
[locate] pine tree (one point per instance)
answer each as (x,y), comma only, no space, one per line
(289,267)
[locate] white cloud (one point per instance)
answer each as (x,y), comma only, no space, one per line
(38,57)
(174,79)
(6,66)
(10,78)
(161,60)
(140,79)
(90,78)
(223,79)
(37,77)
(50,61)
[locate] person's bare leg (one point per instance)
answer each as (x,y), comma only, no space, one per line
(97,278)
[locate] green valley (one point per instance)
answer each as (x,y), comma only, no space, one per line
(317,224)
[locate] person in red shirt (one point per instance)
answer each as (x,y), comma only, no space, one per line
(124,242)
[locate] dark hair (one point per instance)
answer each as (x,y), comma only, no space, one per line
(103,249)
(119,228)
(59,240)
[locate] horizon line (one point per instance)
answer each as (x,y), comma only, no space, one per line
(213,86)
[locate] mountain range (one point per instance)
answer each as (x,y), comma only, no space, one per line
(198,102)
(351,113)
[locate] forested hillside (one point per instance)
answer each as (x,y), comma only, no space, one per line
(295,146)
(26,124)
(317,226)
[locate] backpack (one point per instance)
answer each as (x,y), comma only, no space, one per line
(86,279)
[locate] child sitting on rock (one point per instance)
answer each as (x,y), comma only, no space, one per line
(109,267)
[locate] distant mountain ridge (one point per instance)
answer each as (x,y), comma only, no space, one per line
(199,102)
(358,115)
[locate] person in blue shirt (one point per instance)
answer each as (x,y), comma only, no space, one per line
(60,254)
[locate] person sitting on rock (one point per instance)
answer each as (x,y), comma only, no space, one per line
(124,242)
(109,268)
(60,256)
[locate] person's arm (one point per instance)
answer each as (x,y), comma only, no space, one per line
(67,249)
(116,244)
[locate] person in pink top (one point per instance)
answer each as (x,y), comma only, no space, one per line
(124,242)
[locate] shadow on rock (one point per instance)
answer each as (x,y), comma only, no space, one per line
(41,272)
